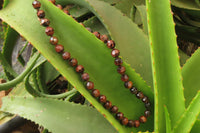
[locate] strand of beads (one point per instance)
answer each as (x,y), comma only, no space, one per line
(85,76)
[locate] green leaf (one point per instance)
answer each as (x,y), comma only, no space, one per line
(189,117)
(167,120)
(186,4)
(73,118)
(130,39)
(168,88)
(88,50)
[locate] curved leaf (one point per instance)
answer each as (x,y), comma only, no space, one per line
(85,47)
(73,118)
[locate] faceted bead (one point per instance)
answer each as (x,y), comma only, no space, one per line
(66,55)
(134,90)
(36,4)
(59,48)
(121,69)
(128,84)
(119,115)
(85,76)
(41,14)
(89,85)
(130,123)
(59,6)
(66,12)
(104,38)
(143,119)
(44,22)
(124,121)
(115,53)
(73,62)
(147,113)
(145,99)
(79,69)
(96,93)
(54,40)
(108,105)
(136,123)
(102,98)
(49,31)
(124,77)
(89,29)
(53,1)
(97,34)
(114,109)
(118,61)
(139,95)
(110,44)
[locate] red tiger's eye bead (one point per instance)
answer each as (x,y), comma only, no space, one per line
(66,55)
(124,121)
(118,61)
(59,48)
(115,53)
(73,62)
(124,77)
(53,1)
(139,95)
(96,93)
(53,40)
(134,90)
(145,99)
(97,34)
(85,76)
(130,123)
(59,6)
(119,115)
(79,69)
(41,14)
(89,85)
(102,98)
(114,109)
(108,105)
(143,119)
(128,84)
(136,123)
(66,12)
(104,38)
(44,22)
(110,44)
(49,31)
(36,4)
(121,69)
(147,113)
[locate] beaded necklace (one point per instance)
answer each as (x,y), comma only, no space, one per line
(85,76)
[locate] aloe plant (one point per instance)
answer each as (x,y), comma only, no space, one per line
(151,60)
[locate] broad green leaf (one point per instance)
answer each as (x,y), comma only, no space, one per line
(189,117)
(131,40)
(72,118)
(89,51)
(168,88)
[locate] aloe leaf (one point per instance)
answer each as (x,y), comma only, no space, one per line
(125,6)
(133,44)
(95,25)
(189,117)
(196,127)
(186,4)
(143,14)
(70,115)
(85,47)
(168,88)
(18,79)
(167,120)
(190,73)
